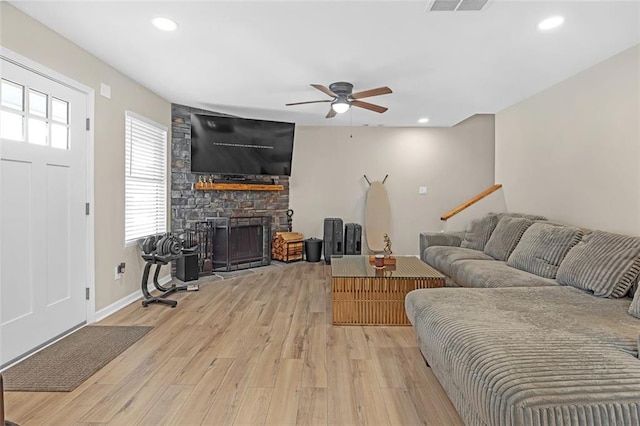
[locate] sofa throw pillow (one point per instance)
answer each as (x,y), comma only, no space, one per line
(506,236)
(479,231)
(542,248)
(634,309)
(603,263)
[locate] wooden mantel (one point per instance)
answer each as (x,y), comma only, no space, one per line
(206,186)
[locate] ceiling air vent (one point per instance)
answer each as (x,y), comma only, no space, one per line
(456,5)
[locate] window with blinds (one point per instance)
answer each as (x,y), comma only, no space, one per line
(145,177)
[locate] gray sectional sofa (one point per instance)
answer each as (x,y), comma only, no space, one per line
(540,329)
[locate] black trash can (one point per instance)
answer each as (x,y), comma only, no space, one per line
(312,249)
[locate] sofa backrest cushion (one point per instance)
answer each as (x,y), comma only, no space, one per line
(523,215)
(506,236)
(479,231)
(542,248)
(603,263)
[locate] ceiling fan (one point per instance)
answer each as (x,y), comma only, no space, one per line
(343,98)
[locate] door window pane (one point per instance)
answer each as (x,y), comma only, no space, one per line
(37,131)
(60,110)
(11,126)
(59,136)
(12,95)
(37,103)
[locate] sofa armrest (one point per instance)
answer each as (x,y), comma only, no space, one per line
(428,239)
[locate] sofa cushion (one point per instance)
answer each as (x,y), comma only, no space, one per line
(603,263)
(430,239)
(479,231)
(542,248)
(531,356)
(506,236)
(494,273)
(442,257)
(523,215)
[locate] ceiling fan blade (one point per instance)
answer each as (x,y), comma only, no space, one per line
(325,90)
(307,102)
(331,113)
(367,105)
(372,92)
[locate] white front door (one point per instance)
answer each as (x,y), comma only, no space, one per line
(43,225)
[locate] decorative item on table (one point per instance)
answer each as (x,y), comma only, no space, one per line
(387,245)
(210,183)
(385,259)
(386,271)
(388,261)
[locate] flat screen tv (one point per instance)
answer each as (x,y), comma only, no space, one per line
(239,146)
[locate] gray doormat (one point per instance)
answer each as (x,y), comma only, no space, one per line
(64,365)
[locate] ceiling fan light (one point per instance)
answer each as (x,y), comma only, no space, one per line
(340,106)
(551,23)
(164,24)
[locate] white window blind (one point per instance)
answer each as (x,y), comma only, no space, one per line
(145,177)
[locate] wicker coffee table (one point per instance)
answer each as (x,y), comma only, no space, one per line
(365,295)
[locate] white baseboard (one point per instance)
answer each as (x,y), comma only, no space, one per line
(127,300)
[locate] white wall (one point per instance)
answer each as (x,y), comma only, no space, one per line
(329,163)
(572,152)
(26,36)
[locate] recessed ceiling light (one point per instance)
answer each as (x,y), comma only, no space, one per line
(164,24)
(550,23)
(423,120)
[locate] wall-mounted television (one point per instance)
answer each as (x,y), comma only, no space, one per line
(240,146)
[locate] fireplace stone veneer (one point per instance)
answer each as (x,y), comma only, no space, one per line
(190,206)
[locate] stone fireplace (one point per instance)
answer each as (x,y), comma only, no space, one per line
(190,206)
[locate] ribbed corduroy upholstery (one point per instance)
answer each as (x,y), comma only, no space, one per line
(522,215)
(493,274)
(506,236)
(430,239)
(542,248)
(603,263)
(633,289)
(531,356)
(634,308)
(479,231)
(443,257)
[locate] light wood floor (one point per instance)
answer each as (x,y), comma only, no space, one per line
(256,349)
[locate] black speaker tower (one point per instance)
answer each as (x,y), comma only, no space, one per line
(352,238)
(333,238)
